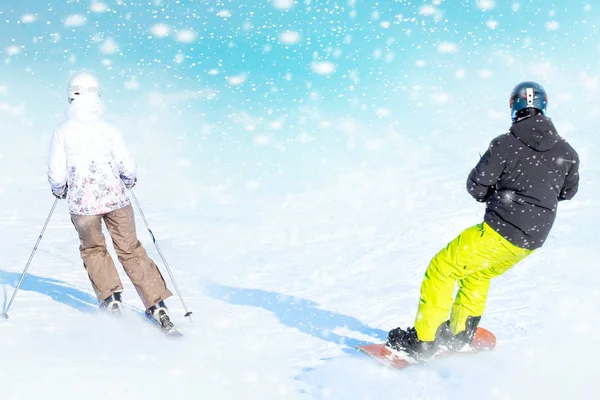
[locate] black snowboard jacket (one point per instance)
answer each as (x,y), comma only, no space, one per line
(522,177)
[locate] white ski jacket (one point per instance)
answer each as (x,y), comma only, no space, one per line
(89,158)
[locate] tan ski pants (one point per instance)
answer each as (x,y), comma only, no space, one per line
(142,271)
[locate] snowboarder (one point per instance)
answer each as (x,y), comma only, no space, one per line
(90,165)
(521,177)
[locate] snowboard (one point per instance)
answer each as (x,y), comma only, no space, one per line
(483,340)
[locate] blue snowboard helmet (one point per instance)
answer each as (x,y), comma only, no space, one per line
(527,96)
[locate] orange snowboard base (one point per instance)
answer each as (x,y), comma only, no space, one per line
(483,340)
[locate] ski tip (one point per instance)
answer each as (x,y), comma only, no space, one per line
(4,315)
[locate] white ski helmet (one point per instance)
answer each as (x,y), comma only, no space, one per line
(83,83)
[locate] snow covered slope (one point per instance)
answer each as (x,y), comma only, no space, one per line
(283,287)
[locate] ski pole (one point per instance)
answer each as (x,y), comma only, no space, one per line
(187,313)
(5,313)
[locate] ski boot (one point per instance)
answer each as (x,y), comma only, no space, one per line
(158,314)
(408,342)
(112,303)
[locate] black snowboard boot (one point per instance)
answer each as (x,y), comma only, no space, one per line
(461,339)
(112,303)
(408,342)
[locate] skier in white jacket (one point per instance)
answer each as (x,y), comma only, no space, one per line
(90,165)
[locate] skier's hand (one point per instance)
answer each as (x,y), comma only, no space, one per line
(60,194)
(128,182)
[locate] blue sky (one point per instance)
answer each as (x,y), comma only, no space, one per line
(373,48)
(300,86)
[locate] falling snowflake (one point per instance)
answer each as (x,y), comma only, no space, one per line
(98,7)
(28,18)
(323,67)
(237,79)
(109,46)
(447,47)
(12,50)
(289,37)
(283,4)
(75,20)
(486,5)
(492,24)
(186,36)
(160,30)
(428,10)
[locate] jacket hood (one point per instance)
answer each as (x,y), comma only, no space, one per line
(86,109)
(537,132)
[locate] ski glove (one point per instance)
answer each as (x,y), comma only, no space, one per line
(128,182)
(60,193)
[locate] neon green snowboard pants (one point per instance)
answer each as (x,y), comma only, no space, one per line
(472,259)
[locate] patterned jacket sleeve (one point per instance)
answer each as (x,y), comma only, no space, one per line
(482,180)
(122,156)
(57,163)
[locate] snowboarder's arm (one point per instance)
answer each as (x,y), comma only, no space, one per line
(57,164)
(123,158)
(571,184)
(482,180)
